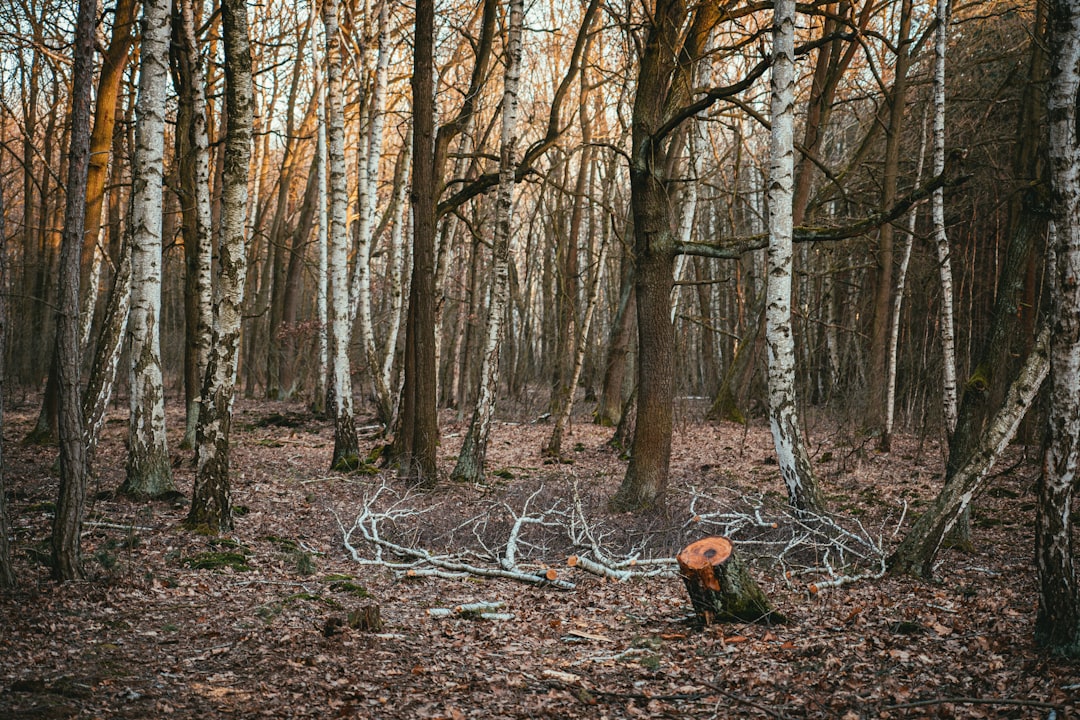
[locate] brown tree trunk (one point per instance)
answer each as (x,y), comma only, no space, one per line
(415,453)
(67,522)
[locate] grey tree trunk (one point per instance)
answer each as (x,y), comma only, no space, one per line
(1057,625)
(211,502)
(149,471)
(783,414)
(67,522)
(471,459)
(321,241)
(193,151)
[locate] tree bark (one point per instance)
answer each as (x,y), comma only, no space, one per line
(7,573)
(676,42)
(211,502)
(473,454)
(415,451)
(346,448)
(70,506)
(1057,625)
(719,585)
(193,160)
(883,287)
(916,553)
(149,471)
(791,452)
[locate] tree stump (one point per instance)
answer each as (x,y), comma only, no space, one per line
(720,586)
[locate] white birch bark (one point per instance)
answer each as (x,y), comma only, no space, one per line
(397,271)
(149,471)
(369,184)
(1058,622)
(200,148)
(211,503)
(470,464)
(345,444)
(686,219)
(941,240)
(901,283)
(322,282)
(787,436)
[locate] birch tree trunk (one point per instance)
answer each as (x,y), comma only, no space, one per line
(470,464)
(941,240)
(783,416)
(193,154)
(916,553)
(361,281)
(898,305)
(211,503)
(321,241)
(1057,625)
(106,363)
(149,472)
(346,448)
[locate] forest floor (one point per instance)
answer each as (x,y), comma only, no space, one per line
(268,619)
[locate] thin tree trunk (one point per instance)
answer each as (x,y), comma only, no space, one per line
(1057,625)
(884,258)
(211,502)
(901,283)
(149,471)
(783,412)
(360,305)
(7,573)
(609,408)
(471,459)
(318,402)
(346,447)
(107,354)
(193,153)
(70,506)
(941,240)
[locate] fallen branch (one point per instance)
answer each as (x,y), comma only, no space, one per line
(975,701)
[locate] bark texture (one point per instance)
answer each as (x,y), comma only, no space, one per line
(473,455)
(719,585)
(149,471)
(211,503)
(70,505)
(1057,625)
(783,415)
(346,448)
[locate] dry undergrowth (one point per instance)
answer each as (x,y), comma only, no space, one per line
(261,622)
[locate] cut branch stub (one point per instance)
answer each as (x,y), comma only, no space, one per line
(719,585)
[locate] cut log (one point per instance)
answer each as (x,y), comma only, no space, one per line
(719,585)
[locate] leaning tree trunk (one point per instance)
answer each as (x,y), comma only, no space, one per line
(916,553)
(1057,625)
(211,503)
(67,522)
(346,447)
(149,471)
(110,344)
(470,464)
(193,153)
(783,416)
